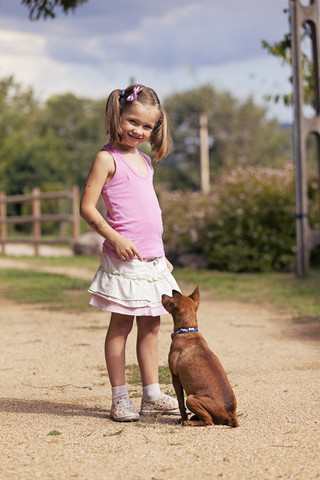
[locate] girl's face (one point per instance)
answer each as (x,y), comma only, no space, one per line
(137,122)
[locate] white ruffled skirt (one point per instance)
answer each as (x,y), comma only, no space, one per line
(132,287)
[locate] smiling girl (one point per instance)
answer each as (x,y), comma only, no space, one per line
(134,272)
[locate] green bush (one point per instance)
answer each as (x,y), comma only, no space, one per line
(246,224)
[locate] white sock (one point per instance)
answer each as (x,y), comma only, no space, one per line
(151,393)
(120,391)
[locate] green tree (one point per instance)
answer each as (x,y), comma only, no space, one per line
(78,125)
(18,124)
(33,161)
(239,132)
(18,108)
(41,144)
(28,159)
(45,8)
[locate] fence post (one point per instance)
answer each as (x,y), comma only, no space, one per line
(204,154)
(3,216)
(36,224)
(75,213)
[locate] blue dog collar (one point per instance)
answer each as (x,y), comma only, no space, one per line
(184,330)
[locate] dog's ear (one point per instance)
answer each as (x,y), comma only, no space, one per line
(175,293)
(167,302)
(195,296)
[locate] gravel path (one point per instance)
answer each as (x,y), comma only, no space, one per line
(53,379)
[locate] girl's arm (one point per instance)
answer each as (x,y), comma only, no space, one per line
(101,172)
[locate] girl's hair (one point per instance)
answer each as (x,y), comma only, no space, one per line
(117,103)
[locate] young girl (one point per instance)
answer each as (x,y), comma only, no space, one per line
(134,272)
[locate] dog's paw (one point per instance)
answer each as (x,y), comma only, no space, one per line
(188,423)
(197,423)
(182,420)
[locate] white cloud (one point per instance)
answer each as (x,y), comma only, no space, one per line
(169,45)
(172,17)
(19,43)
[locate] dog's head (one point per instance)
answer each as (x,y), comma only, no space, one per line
(182,308)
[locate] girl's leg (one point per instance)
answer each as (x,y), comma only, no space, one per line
(153,401)
(118,331)
(120,326)
(147,348)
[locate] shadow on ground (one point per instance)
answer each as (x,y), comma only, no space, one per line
(18,405)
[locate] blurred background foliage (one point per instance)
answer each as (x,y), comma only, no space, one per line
(245,225)
(247,221)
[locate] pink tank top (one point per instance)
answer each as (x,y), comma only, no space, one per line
(132,207)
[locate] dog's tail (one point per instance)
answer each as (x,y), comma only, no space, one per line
(232,420)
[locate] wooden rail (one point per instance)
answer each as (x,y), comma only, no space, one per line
(35,197)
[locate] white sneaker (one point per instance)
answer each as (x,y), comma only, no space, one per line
(165,405)
(122,410)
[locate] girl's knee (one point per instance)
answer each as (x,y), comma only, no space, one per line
(121,324)
(148,324)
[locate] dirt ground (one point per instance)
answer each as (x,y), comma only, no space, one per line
(53,379)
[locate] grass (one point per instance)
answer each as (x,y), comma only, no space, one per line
(133,374)
(79,261)
(299,297)
(56,292)
(133,379)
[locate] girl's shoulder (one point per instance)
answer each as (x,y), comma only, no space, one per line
(111,152)
(104,158)
(104,165)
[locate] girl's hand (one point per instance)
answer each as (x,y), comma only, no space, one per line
(125,249)
(169,265)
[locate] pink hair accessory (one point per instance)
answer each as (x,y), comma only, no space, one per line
(134,95)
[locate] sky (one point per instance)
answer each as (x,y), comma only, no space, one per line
(169,45)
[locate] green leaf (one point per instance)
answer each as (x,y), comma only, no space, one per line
(54,432)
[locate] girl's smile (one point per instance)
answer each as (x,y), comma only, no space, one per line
(137,123)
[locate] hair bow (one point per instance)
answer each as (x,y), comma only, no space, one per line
(134,95)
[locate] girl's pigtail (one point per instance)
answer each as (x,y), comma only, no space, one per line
(112,117)
(160,139)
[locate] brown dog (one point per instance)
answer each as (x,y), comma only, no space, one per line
(196,369)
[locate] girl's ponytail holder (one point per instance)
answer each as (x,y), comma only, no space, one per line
(134,95)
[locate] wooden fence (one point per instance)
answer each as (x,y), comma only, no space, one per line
(36,238)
